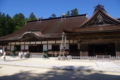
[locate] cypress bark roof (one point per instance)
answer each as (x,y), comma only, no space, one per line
(47,28)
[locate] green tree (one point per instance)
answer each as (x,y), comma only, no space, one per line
(21,16)
(32,17)
(68,13)
(2,20)
(1,34)
(19,21)
(6,24)
(53,16)
(74,12)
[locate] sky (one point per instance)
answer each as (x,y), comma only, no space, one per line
(45,8)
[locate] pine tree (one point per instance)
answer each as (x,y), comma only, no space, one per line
(32,17)
(74,12)
(19,21)
(6,24)
(53,16)
(68,13)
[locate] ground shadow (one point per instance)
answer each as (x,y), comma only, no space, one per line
(61,75)
(78,68)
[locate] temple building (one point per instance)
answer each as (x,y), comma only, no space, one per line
(97,35)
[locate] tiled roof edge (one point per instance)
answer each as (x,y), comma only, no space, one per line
(58,18)
(118,18)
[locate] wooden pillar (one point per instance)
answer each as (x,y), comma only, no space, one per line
(69,46)
(83,49)
(78,46)
(55,41)
(47,44)
(117,49)
(24,45)
(10,46)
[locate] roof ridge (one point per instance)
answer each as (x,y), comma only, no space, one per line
(58,18)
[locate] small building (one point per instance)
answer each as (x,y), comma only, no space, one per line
(98,35)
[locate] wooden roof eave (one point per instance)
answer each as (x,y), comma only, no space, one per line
(39,37)
(93,32)
(68,31)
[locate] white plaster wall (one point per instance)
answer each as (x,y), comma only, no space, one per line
(8,47)
(22,47)
(26,47)
(44,46)
(49,47)
(12,47)
(67,46)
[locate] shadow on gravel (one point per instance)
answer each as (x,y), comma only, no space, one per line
(61,75)
(72,68)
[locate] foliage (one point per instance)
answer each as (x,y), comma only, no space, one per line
(68,13)
(9,25)
(72,12)
(19,21)
(6,24)
(32,17)
(53,16)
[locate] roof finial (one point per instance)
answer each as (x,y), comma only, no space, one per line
(40,18)
(101,7)
(63,15)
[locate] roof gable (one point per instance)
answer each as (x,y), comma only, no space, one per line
(100,18)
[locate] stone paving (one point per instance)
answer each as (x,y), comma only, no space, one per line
(65,65)
(106,64)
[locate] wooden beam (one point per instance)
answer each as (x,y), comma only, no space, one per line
(101,40)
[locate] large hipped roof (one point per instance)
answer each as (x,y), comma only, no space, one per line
(47,26)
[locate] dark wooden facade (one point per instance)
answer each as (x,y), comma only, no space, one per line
(99,35)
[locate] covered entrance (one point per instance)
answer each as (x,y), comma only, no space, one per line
(101,49)
(35,48)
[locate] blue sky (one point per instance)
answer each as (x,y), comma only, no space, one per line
(45,8)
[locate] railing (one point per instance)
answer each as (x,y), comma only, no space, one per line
(97,57)
(69,57)
(36,55)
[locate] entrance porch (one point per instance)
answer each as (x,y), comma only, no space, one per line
(95,49)
(101,49)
